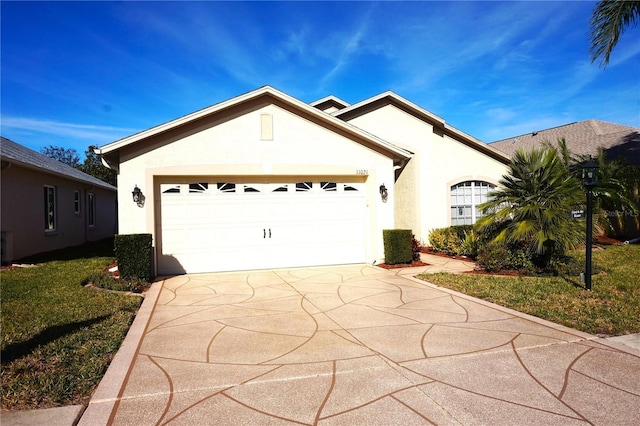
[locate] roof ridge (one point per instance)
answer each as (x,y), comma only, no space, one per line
(535,132)
(595,125)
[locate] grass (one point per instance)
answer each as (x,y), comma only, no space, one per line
(611,308)
(59,337)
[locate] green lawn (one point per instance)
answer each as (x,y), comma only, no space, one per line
(57,336)
(612,307)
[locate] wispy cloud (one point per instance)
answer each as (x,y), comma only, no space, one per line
(89,132)
(348,45)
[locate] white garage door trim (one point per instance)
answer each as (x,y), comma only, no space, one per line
(208,226)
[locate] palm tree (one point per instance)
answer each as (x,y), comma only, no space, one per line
(617,192)
(532,206)
(608,21)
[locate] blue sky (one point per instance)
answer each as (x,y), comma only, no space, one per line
(81,73)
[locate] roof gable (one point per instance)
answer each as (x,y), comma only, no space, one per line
(12,152)
(583,138)
(440,127)
(265,95)
(330,104)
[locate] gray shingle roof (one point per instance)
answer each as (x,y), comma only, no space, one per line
(583,138)
(16,153)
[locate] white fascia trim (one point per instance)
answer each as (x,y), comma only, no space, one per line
(341,123)
(450,129)
(330,98)
(476,141)
(397,98)
(246,97)
(182,120)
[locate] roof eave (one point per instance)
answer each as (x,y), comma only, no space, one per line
(29,166)
(435,120)
(263,91)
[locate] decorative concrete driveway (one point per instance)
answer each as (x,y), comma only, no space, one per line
(360,345)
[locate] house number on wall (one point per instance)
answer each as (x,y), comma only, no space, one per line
(362,172)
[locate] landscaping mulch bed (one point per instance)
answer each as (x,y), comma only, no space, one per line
(403,265)
(604,240)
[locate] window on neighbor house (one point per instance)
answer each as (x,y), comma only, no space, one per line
(91,209)
(76,202)
(49,208)
(465,199)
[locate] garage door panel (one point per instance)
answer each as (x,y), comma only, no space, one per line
(205,229)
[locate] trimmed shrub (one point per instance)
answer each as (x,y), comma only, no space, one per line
(398,246)
(437,239)
(450,240)
(493,257)
(133,252)
(521,259)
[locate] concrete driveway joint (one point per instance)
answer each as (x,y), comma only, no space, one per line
(354,345)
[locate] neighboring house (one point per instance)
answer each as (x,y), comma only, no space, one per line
(47,205)
(583,138)
(586,138)
(265,180)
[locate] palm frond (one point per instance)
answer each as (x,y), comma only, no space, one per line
(608,21)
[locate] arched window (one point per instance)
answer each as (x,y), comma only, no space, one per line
(465,199)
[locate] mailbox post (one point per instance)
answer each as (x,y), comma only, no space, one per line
(589,181)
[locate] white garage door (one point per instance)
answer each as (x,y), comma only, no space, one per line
(223,226)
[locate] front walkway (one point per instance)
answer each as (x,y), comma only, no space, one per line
(354,345)
(446,264)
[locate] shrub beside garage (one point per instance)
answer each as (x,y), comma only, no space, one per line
(398,246)
(134,255)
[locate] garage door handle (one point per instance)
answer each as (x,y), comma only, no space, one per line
(264,233)
(269,232)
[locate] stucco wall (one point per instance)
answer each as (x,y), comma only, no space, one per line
(423,187)
(232,147)
(23,212)
(459,163)
(405,131)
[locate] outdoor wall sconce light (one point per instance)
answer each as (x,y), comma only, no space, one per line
(589,181)
(138,196)
(384,193)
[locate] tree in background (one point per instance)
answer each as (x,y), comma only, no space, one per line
(93,166)
(617,193)
(68,156)
(608,21)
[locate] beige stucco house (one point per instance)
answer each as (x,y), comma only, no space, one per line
(265,180)
(47,205)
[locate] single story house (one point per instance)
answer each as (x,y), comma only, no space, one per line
(583,138)
(264,180)
(48,205)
